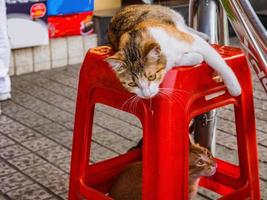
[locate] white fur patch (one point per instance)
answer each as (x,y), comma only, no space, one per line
(175,49)
(172,48)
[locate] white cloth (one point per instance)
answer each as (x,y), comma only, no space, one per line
(4,51)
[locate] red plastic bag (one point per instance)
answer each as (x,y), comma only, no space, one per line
(67,25)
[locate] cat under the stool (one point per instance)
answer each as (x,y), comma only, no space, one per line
(128,185)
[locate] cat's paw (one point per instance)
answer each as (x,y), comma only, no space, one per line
(191,58)
(233,87)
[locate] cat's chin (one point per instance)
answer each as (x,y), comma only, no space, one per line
(212,171)
(142,96)
(146,97)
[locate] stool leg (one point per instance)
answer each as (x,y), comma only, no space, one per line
(165,156)
(247,143)
(81,145)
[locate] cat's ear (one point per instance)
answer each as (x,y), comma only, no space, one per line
(153,52)
(191,140)
(115,63)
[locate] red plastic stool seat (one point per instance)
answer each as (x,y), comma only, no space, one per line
(165,131)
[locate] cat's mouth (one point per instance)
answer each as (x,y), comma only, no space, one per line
(147,97)
(147,94)
(212,171)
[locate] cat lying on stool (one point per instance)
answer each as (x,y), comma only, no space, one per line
(128,185)
(149,40)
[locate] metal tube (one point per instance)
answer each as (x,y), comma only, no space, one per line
(251,33)
(207,16)
(223,29)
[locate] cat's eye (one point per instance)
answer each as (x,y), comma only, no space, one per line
(152,77)
(200,162)
(120,68)
(132,84)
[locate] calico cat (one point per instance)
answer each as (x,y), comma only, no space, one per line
(149,40)
(128,185)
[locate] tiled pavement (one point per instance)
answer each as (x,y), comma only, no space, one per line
(36,135)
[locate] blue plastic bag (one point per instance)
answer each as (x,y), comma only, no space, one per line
(65,7)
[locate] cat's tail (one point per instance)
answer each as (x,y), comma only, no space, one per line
(215,61)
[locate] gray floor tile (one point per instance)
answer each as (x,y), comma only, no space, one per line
(39,143)
(5,141)
(131,119)
(226,154)
(13,181)
(45,174)
(13,127)
(27,161)
(5,120)
(263,185)
(29,118)
(63,137)
(53,198)
(199,197)
(64,195)
(13,151)
(226,126)
(263,170)
(30,192)
(2,197)
(5,169)
(50,129)
(45,95)
(10,108)
(24,135)
(63,164)
(62,79)
(101,153)
(59,186)
(69,125)
(261,125)
(54,153)
(262,154)
(121,146)
(208,193)
(228,141)
(42,108)
(262,138)
(51,85)
(116,142)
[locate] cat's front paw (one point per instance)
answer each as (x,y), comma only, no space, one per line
(233,87)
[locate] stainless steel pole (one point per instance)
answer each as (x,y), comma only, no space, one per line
(251,33)
(207,16)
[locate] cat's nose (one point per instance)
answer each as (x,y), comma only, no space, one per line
(147,94)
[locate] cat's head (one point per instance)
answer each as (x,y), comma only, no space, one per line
(140,67)
(201,161)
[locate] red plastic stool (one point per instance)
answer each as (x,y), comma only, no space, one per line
(165,131)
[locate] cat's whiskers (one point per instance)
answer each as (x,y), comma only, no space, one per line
(172,95)
(164,95)
(133,104)
(137,99)
(127,101)
(209,180)
(130,105)
(178,95)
